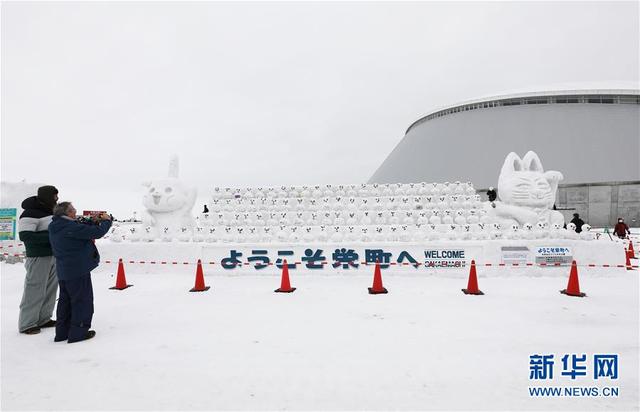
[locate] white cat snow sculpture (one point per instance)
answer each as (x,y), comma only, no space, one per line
(526,192)
(169,203)
(147,235)
(570,232)
(117,234)
(184,235)
(557,232)
(134,235)
(586,233)
(199,235)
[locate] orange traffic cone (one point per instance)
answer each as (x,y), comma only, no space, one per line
(472,285)
(573,287)
(632,253)
(628,263)
(377,287)
(199,286)
(285,285)
(121,281)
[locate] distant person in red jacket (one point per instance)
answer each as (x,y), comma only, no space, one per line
(621,229)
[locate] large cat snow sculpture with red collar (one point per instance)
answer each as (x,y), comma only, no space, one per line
(526,193)
(168,203)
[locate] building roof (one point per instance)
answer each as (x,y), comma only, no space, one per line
(568,89)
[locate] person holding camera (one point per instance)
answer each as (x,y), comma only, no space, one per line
(76,256)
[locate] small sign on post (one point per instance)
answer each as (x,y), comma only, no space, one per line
(554,255)
(8,224)
(515,255)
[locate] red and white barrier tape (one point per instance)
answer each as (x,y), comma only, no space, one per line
(325,262)
(8,246)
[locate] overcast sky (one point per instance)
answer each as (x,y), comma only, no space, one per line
(97,96)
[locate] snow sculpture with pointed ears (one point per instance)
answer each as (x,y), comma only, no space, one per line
(526,192)
(169,202)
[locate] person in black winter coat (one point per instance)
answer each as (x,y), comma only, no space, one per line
(40,283)
(578,222)
(76,256)
(492,195)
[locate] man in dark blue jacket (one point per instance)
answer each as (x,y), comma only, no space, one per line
(76,256)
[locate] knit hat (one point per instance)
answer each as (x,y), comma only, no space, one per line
(47,195)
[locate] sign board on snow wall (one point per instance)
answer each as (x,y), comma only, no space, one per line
(551,255)
(8,224)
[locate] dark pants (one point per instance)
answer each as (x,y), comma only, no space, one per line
(75,309)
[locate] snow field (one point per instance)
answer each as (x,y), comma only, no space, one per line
(327,346)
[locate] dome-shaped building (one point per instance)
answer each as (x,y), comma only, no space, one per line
(591,135)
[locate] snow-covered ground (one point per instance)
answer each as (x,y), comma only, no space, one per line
(329,345)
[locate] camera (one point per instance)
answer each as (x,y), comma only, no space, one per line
(91,220)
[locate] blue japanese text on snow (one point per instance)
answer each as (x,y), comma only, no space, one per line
(342,258)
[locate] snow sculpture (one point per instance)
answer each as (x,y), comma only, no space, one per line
(453,232)
(166,235)
(473,217)
(135,234)
(184,235)
(570,233)
(365,236)
(205,219)
(148,234)
(542,230)
(308,235)
(169,203)
(393,235)
(432,232)
(586,233)
(322,234)
(557,232)
(496,231)
(267,235)
(117,234)
(514,232)
(434,219)
(378,233)
(294,236)
(483,232)
(526,192)
(528,232)
(408,218)
(406,233)
(466,232)
(199,234)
